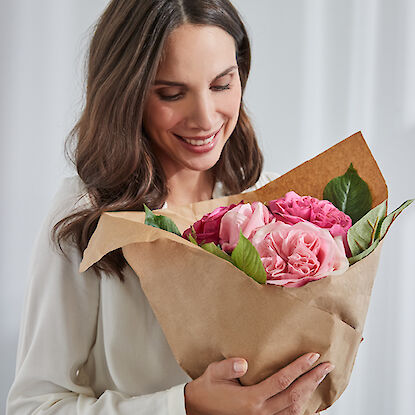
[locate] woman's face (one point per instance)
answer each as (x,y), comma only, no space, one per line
(193,106)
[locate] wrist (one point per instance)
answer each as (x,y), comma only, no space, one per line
(188,402)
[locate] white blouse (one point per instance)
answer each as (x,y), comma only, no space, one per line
(90,345)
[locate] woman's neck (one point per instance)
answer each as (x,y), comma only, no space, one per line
(189,186)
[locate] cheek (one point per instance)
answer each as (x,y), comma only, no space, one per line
(158,115)
(231,103)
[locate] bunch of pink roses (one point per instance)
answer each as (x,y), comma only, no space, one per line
(298,238)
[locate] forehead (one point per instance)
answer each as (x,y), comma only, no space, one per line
(195,52)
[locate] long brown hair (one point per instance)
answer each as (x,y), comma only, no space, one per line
(112,155)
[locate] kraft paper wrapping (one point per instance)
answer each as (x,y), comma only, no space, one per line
(210,310)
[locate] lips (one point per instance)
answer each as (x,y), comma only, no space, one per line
(200,144)
(198,137)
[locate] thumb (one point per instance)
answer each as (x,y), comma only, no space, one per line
(231,368)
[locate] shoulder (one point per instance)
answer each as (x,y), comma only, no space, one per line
(47,258)
(70,196)
(264,178)
(72,189)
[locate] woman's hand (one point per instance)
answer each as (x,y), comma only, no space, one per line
(218,391)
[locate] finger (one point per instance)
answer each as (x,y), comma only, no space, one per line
(227,369)
(293,399)
(284,377)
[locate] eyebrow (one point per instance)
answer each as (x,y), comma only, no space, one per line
(172,83)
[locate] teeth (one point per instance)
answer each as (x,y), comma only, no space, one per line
(199,142)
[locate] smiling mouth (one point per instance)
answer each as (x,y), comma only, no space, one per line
(196,141)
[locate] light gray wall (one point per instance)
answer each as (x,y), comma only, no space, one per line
(321,71)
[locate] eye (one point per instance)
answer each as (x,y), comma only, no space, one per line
(176,97)
(221,87)
(170,97)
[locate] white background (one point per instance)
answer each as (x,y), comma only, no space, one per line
(322,70)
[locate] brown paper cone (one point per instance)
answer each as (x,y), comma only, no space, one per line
(210,310)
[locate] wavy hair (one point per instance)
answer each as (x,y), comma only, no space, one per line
(111,153)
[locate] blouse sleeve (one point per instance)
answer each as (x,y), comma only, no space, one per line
(57,332)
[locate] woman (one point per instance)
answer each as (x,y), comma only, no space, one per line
(163,123)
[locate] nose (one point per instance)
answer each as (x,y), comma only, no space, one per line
(202,112)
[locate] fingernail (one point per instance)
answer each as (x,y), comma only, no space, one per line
(322,378)
(240,366)
(313,358)
(327,370)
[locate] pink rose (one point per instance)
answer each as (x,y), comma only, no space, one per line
(246,217)
(293,208)
(207,228)
(294,255)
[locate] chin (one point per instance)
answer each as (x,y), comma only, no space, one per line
(202,166)
(206,164)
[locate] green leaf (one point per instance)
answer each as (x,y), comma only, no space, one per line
(349,193)
(214,249)
(365,231)
(192,236)
(364,236)
(387,222)
(247,259)
(364,253)
(160,222)
(150,217)
(192,239)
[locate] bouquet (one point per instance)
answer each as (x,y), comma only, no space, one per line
(293,240)
(266,275)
